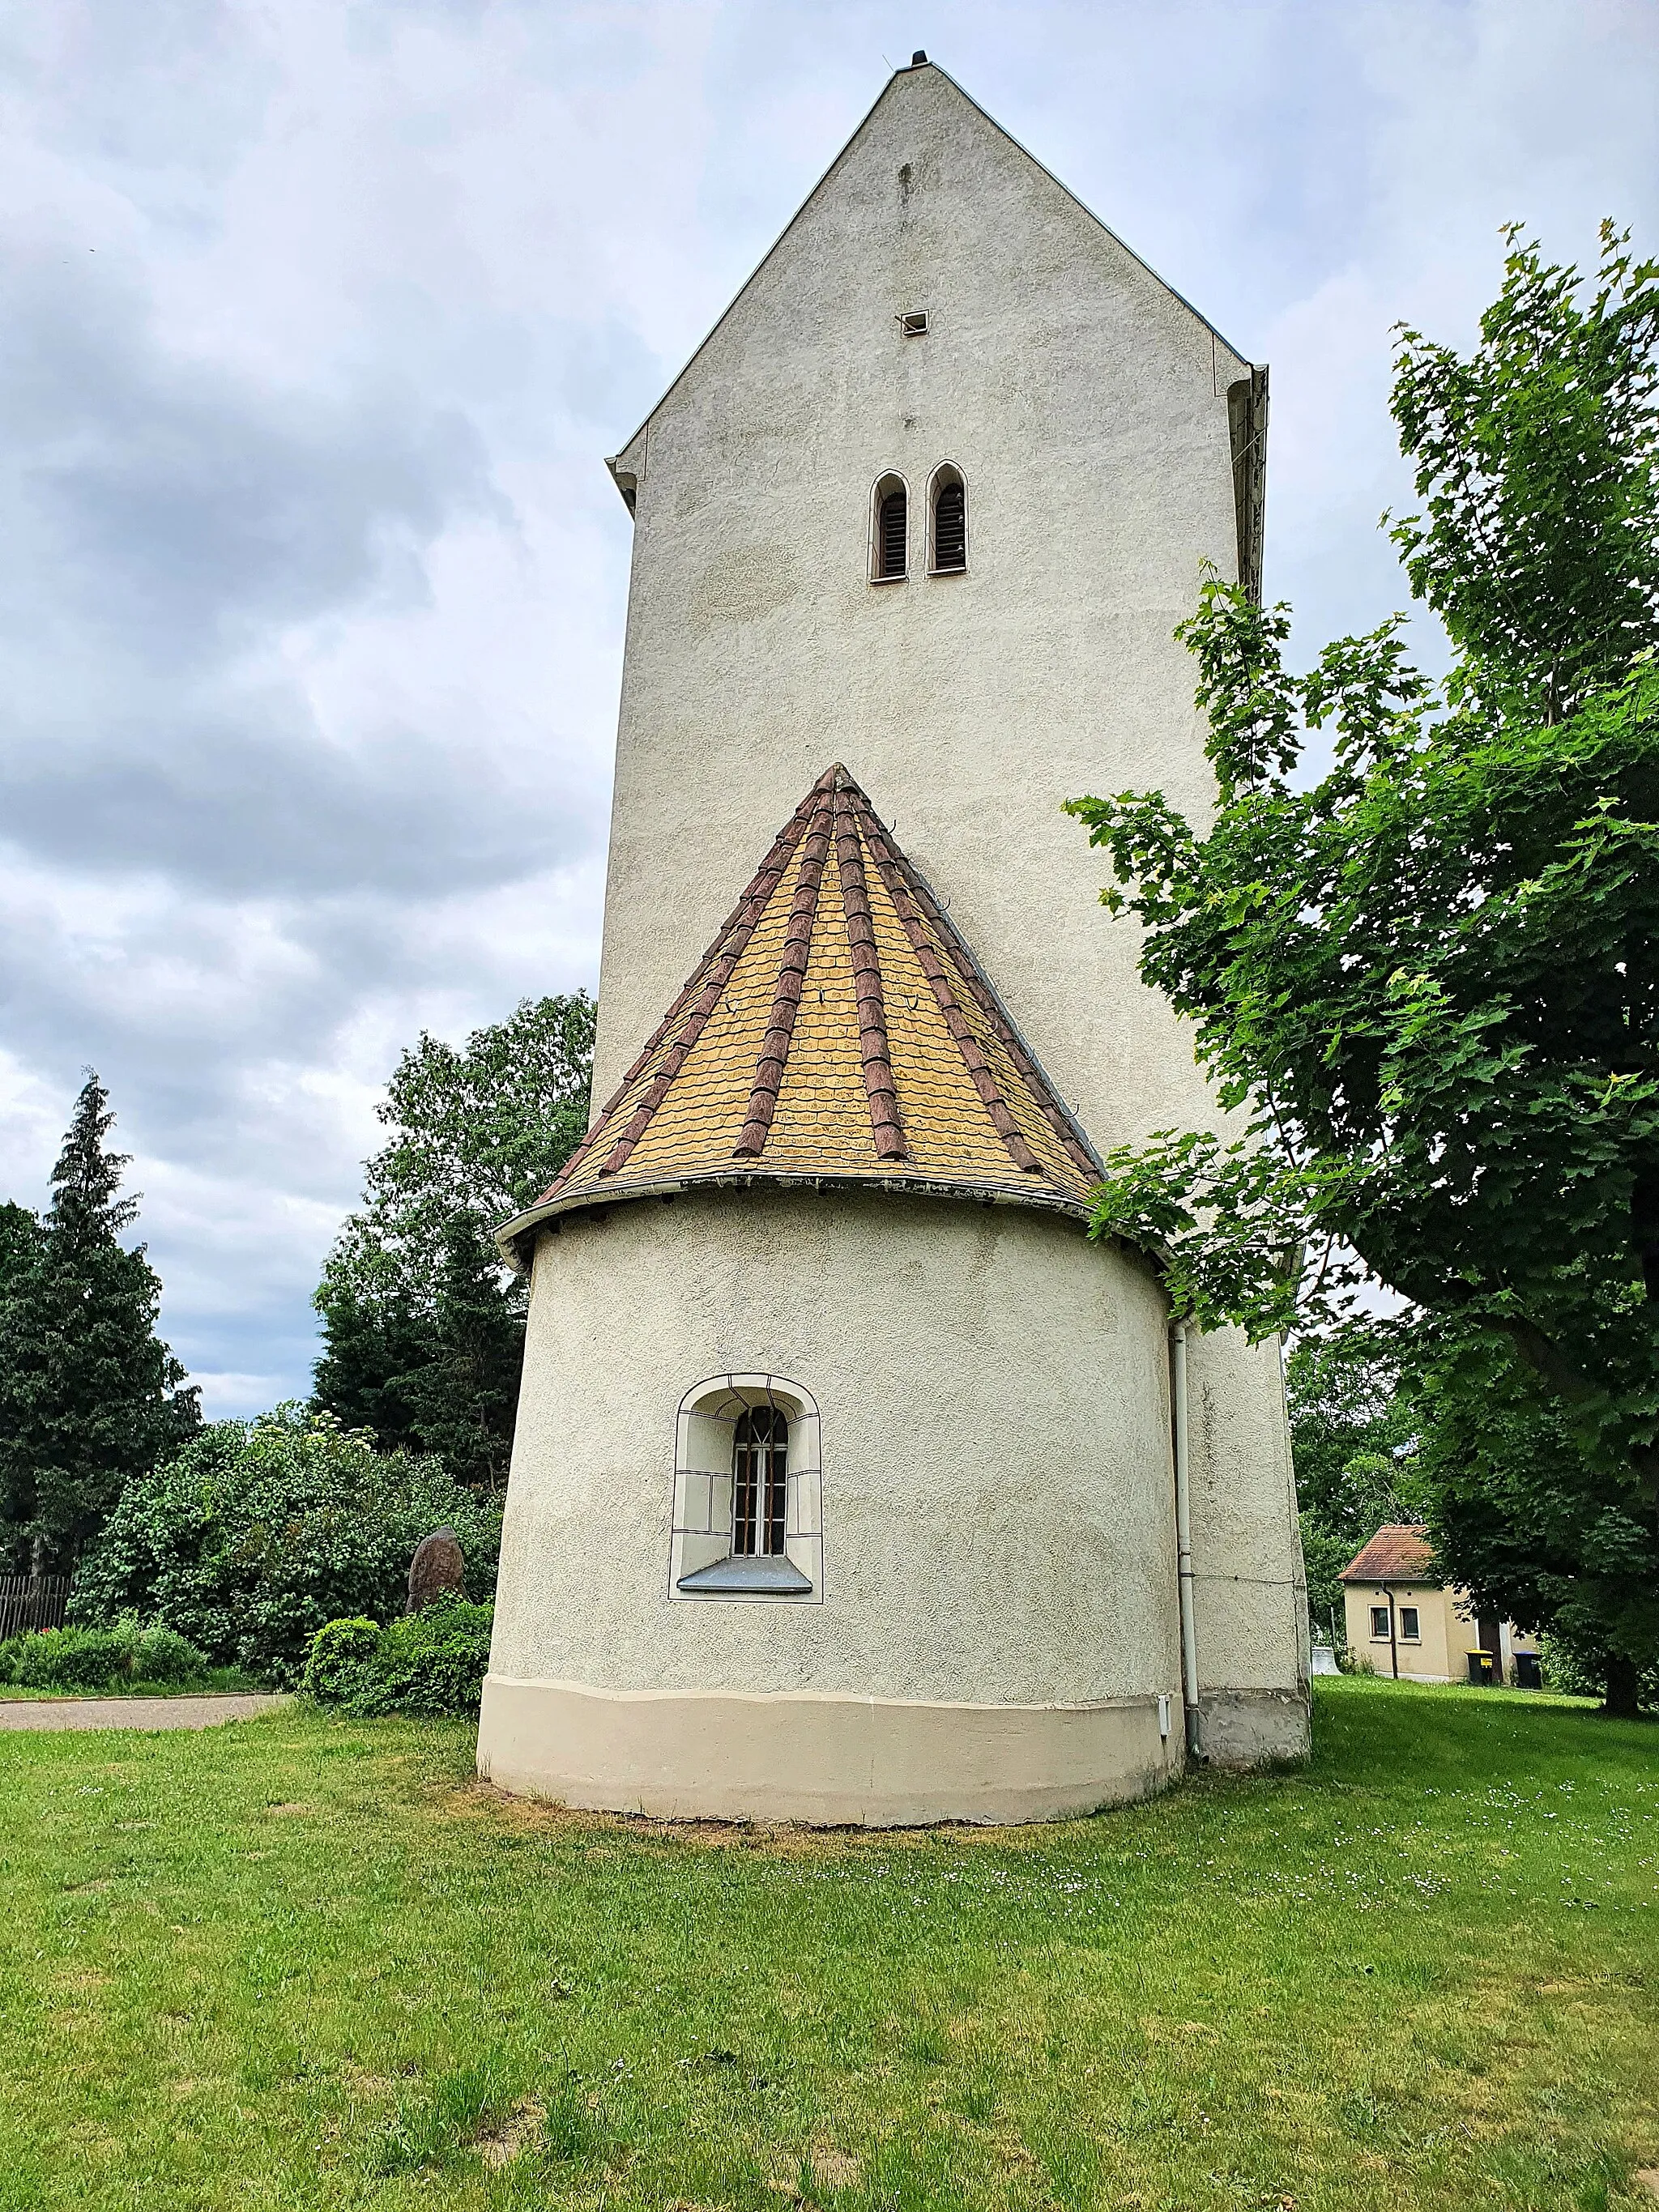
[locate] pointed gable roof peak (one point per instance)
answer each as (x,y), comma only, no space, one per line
(838,1031)
(1399,1552)
(916,69)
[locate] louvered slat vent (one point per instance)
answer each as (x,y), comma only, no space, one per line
(950,527)
(891,534)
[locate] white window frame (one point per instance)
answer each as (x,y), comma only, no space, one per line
(703,1513)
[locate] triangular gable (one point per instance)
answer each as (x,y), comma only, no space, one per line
(624,477)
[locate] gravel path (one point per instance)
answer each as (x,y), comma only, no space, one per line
(134,1712)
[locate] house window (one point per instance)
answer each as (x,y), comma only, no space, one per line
(760,1458)
(1409,1628)
(747,1508)
(915,325)
(889,532)
(1380,1624)
(947,525)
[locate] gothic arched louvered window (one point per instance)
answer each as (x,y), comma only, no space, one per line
(948,521)
(760,1483)
(890,533)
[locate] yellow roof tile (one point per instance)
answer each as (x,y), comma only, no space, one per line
(837,1030)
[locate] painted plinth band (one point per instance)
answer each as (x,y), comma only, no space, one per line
(832,1761)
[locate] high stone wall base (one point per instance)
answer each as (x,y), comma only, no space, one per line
(829,1761)
(1254,1728)
(835,1762)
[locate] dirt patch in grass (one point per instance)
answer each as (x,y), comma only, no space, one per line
(477,1799)
(521,2131)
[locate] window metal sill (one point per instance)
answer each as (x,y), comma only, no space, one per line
(760,1576)
(904,579)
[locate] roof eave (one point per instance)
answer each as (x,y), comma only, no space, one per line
(626,480)
(512,1235)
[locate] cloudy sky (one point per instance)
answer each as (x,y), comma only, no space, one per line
(318,317)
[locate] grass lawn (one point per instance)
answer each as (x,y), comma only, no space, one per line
(217,1682)
(307,1962)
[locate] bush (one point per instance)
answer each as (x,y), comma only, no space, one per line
(434,1662)
(159,1653)
(259,1532)
(66,1658)
(101,1659)
(1582,1672)
(342,1655)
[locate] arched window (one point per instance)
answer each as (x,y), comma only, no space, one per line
(889,532)
(947,521)
(747,1487)
(760,1460)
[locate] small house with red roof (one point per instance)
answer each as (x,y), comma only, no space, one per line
(1405,1620)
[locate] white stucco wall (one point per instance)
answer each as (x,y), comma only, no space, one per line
(997,1520)
(1086,408)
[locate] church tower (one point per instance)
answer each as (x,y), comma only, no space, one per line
(843,1487)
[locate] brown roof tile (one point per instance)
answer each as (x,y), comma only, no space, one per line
(838,1027)
(1400,1552)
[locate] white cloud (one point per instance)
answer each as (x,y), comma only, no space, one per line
(320,319)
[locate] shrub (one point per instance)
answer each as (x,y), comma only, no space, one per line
(259,1532)
(1583,1673)
(101,1658)
(434,1662)
(68,1659)
(341,1654)
(159,1653)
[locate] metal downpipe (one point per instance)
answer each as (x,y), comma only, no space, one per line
(1184,1543)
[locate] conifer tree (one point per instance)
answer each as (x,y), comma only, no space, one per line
(21,1244)
(90,1395)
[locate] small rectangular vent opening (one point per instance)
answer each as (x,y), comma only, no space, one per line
(915,325)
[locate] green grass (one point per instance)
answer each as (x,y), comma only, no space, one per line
(217,1682)
(304,1962)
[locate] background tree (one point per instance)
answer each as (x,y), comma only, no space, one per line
(90,1395)
(1353,1439)
(423,1329)
(1430,975)
(462,1400)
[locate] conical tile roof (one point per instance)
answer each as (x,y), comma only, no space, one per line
(837,1030)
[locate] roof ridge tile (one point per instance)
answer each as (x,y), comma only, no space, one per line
(792,970)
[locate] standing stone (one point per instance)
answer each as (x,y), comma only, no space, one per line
(437,1570)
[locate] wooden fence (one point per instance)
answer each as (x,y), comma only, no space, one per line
(31,1601)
